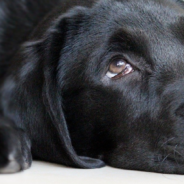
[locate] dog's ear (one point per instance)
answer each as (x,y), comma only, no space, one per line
(50,48)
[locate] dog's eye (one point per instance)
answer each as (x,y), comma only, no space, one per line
(118,69)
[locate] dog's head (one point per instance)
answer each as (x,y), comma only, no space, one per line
(117,70)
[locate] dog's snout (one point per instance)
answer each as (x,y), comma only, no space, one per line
(180,111)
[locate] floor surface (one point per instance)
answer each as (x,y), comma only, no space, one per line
(46,173)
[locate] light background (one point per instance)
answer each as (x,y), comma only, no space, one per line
(46,173)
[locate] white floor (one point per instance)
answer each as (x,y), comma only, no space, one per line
(46,173)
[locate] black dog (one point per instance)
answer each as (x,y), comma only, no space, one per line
(85,83)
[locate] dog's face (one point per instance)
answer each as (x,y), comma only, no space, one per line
(121,72)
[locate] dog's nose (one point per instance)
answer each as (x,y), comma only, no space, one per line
(180,111)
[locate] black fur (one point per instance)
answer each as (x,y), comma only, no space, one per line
(58,105)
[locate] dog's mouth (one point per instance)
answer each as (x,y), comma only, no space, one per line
(171,150)
(167,156)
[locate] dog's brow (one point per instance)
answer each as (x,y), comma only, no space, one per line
(128,40)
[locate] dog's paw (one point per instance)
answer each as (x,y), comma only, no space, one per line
(14,153)
(9,165)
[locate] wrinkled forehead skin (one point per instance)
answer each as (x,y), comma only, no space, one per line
(140,116)
(158,23)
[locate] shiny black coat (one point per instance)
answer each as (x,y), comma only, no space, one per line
(57,103)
